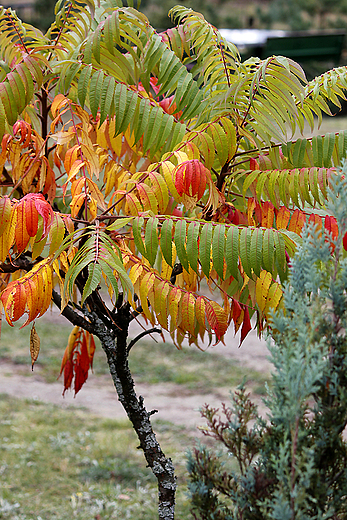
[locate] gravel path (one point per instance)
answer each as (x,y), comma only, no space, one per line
(99,397)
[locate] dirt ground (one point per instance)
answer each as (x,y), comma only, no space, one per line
(99,397)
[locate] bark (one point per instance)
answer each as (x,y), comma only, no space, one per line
(114,343)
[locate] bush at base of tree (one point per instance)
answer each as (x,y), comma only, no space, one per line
(294,465)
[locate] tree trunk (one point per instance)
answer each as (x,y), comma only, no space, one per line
(114,343)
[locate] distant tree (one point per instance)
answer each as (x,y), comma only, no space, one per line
(300,15)
(43,13)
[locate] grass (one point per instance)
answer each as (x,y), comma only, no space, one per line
(62,464)
(59,465)
(150,362)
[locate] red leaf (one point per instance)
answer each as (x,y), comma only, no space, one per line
(236,311)
(246,326)
(344,241)
(31,216)
(331,226)
(253,164)
(68,375)
(191,178)
(44,209)
(81,365)
(80,375)
(91,348)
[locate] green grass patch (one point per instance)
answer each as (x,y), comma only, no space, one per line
(150,362)
(61,464)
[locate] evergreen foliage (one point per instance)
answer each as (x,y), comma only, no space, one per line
(293,464)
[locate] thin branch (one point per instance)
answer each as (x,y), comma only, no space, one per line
(141,335)
(71,315)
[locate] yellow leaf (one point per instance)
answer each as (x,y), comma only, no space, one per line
(96,194)
(34,346)
(187,308)
(146,286)
(274,298)
(262,288)
(174,300)
(75,168)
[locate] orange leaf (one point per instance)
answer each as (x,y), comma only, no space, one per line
(251,203)
(268,212)
(75,168)
(71,345)
(22,236)
(31,293)
(297,222)
(315,220)
(200,310)
(59,102)
(282,218)
(77,204)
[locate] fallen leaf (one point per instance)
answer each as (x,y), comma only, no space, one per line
(34,346)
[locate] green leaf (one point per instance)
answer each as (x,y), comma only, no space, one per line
(245,250)
(268,250)
(108,271)
(317,150)
(93,280)
(328,146)
(107,94)
(299,152)
(192,245)
(137,226)
(205,248)
(151,240)
(256,252)
(180,241)
(166,241)
(218,247)
(95,90)
(119,223)
(232,251)
(280,251)
(82,88)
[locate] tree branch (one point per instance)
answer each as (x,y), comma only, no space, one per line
(144,333)
(71,315)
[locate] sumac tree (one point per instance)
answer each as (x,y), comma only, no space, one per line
(136,166)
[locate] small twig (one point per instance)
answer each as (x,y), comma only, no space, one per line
(71,315)
(144,333)
(135,314)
